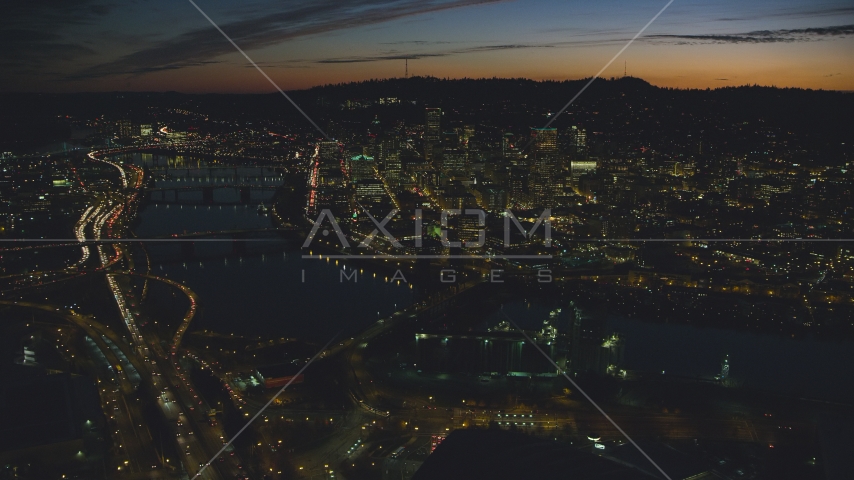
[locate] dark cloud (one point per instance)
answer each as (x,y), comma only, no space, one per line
(54,13)
(265,28)
(173,66)
(31,32)
(416,42)
(282,64)
(379,58)
(793,13)
(487,48)
(759,36)
(417,55)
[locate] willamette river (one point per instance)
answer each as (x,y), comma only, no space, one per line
(805,367)
(275,293)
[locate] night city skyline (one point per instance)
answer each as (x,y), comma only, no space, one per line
(426,240)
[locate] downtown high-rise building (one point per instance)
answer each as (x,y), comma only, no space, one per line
(329,163)
(577,143)
(388,158)
(125,129)
(545,166)
(510,150)
(360,168)
(454,160)
(432,133)
(327,180)
(544,140)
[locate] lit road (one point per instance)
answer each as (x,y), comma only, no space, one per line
(134,439)
(174,404)
(104,219)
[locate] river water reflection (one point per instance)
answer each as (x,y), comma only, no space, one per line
(267,288)
(806,367)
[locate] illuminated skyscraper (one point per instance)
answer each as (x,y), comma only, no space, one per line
(329,163)
(577,143)
(360,167)
(388,158)
(509,148)
(433,124)
(466,134)
(432,132)
(124,129)
(544,166)
(578,168)
(389,144)
(454,160)
(544,140)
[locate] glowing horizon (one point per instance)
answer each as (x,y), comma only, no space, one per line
(169,46)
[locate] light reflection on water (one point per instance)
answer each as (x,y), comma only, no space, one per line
(260,293)
(807,367)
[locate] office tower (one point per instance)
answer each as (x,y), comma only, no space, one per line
(392,169)
(388,158)
(517,184)
(468,229)
(328,181)
(541,187)
(510,149)
(450,139)
(360,167)
(577,143)
(433,124)
(454,160)
(370,190)
(495,199)
(577,168)
(124,128)
(544,166)
(544,140)
(389,144)
(466,134)
(432,133)
(329,163)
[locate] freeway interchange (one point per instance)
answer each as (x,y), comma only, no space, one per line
(136,361)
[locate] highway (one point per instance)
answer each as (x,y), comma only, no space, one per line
(177,401)
(99,225)
(135,444)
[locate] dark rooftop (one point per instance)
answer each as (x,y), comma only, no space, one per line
(45,409)
(499,454)
(278,370)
